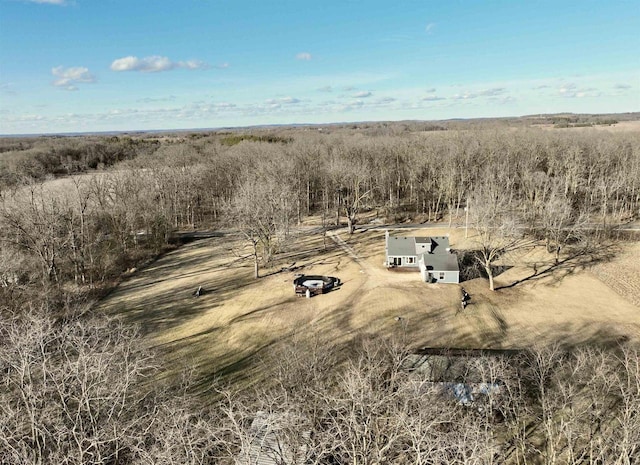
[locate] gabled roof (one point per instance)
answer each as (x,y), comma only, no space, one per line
(402,246)
(439,244)
(440,261)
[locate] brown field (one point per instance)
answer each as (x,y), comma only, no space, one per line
(622,126)
(236,322)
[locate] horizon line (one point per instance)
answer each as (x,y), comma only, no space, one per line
(284,125)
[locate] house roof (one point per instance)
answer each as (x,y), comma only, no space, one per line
(401,246)
(439,244)
(440,261)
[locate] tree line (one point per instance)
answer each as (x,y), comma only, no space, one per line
(43,157)
(553,185)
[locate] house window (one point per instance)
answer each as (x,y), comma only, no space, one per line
(396,261)
(410,260)
(441,275)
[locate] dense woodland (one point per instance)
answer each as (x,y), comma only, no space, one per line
(76,386)
(550,183)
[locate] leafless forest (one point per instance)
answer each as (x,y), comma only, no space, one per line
(77,212)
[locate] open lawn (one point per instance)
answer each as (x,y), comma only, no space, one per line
(238,320)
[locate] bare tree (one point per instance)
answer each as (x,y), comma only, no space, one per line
(497,226)
(261,209)
(560,223)
(70,393)
(33,222)
(352,175)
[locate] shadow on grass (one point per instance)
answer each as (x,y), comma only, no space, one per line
(310,252)
(571,336)
(160,297)
(163,310)
(469,330)
(578,260)
(240,371)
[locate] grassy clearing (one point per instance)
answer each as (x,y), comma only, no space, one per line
(229,330)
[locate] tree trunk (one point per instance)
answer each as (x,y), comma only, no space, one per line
(487,268)
(351,224)
(256,263)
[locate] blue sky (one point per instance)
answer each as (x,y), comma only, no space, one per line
(100,65)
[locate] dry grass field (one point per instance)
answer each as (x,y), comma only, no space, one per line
(239,320)
(622,126)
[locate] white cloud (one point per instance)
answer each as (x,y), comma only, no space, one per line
(622,86)
(325,89)
(431,91)
(465,96)
(49,2)
(567,88)
(506,99)
(352,105)
(289,100)
(154,64)
(432,98)
(67,78)
(363,94)
(156,99)
(305,56)
(283,101)
(28,118)
(192,64)
(429,28)
(223,65)
(492,92)
(571,90)
(149,64)
(224,105)
(385,100)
